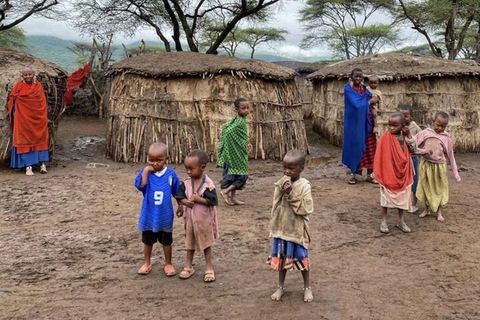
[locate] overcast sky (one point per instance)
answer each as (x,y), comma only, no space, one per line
(285,18)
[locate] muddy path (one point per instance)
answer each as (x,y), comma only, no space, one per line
(70,250)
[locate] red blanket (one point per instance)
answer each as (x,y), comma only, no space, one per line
(393,166)
(30,122)
(74,81)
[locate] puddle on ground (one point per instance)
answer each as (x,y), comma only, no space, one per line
(82,143)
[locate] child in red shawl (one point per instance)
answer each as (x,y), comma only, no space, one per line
(393,169)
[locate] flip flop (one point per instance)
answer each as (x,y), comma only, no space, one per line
(209,276)
(404,228)
(187,273)
(384,228)
(144,271)
(169,270)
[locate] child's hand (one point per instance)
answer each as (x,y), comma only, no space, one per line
(374,100)
(406,131)
(375,130)
(195,198)
(180,211)
(149,168)
(187,203)
(287,187)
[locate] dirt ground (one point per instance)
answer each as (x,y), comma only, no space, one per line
(70,250)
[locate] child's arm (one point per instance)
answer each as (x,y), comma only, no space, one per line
(302,204)
(453,163)
(142,179)
(211,197)
(374,118)
(182,200)
(145,173)
(197,199)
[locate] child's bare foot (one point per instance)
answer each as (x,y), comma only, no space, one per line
(145,269)
(439,216)
(425,213)
(225,198)
(307,294)
(277,295)
(238,202)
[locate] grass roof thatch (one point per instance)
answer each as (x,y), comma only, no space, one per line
(182,64)
(16,60)
(396,66)
(301,67)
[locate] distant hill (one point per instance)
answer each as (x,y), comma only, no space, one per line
(52,49)
(56,50)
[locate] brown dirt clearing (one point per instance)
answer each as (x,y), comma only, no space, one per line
(70,250)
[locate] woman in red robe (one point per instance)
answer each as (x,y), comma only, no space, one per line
(27,110)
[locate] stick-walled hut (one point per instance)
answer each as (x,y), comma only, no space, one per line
(53,79)
(305,87)
(428,84)
(184,98)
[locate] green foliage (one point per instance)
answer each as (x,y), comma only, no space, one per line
(422,49)
(344,26)
(255,36)
(445,20)
(13,38)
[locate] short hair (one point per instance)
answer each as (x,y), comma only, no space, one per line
(298,155)
(158,146)
(441,114)
(406,107)
(357,70)
(237,102)
(200,154)
(27,68)
(398,115)
(374,76)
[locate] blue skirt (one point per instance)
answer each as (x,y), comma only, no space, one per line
(28,159)
(287,255)
(415,177)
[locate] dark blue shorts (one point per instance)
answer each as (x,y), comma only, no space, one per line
(150,237)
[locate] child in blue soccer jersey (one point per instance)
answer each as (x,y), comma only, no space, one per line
(158,184)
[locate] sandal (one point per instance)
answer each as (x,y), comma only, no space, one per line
(384,228)
(352,180)
(209,276)
(187,273)
(144,270)
(371,179)
(404,228)
(169,270)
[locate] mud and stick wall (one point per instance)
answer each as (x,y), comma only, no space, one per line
(188,113)
(459,97)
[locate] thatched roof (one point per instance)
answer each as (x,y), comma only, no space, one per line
(396,66)
(16,61)
(300,67)
(181,64)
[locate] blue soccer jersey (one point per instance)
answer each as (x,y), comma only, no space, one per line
(157,208)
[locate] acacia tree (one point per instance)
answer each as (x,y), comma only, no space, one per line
(13,12)
(183,19)
(345,26)
(257,36)
(13,38)
(451,19)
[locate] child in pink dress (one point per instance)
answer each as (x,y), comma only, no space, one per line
(199,196)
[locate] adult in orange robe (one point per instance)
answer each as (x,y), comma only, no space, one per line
(27,110)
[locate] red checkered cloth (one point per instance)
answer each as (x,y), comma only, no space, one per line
(370,148)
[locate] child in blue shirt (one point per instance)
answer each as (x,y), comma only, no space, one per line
(158,184)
